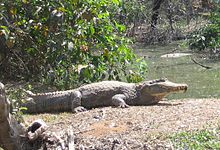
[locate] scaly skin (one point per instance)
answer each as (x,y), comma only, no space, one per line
(101,94)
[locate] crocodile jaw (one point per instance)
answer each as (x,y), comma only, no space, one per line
(163,87)
(168,87)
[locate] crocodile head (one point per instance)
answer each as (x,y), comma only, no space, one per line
(157,89)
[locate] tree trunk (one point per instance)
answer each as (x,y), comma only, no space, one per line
(156,7)
(189,10)
(169,14)
(13,136)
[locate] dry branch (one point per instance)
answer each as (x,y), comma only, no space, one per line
(207,67)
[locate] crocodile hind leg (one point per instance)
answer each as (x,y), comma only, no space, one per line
(119,101)
(76,105)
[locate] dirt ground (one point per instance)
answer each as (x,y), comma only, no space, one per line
(136,127)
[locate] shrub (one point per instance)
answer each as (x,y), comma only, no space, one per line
(65,43)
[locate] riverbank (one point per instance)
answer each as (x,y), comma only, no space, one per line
(137,127)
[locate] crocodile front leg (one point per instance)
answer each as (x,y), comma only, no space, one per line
(119,101)
(76,106)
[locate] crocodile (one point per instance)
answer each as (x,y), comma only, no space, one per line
(103,94)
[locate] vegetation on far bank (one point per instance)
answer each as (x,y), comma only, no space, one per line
(207,39)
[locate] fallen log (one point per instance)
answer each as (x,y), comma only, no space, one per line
(14,136)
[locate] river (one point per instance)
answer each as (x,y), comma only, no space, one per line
(202,82)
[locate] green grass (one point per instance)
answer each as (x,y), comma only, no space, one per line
(203,83)
(197,140)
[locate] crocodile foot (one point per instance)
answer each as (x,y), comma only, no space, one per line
(79,109)
(123,105)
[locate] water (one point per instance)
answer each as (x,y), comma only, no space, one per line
(203,83)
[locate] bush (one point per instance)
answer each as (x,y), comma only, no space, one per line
(65,43)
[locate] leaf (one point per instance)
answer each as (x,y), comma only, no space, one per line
(115,2)
(103,15)
(92,30)
(5,31)
(22,108)
(5,28)
(25,1)
(13,11)
(120,27)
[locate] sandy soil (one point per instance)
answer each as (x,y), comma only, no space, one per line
(137,127)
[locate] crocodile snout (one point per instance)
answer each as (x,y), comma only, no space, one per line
(185,89)
(182,88)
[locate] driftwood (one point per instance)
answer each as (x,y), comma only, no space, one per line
(14,136)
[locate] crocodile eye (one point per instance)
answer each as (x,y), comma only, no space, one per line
(163,80)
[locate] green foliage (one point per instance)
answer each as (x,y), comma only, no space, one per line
(197,140)
(141,67)
(208,37)
(65,42)
(16,97)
